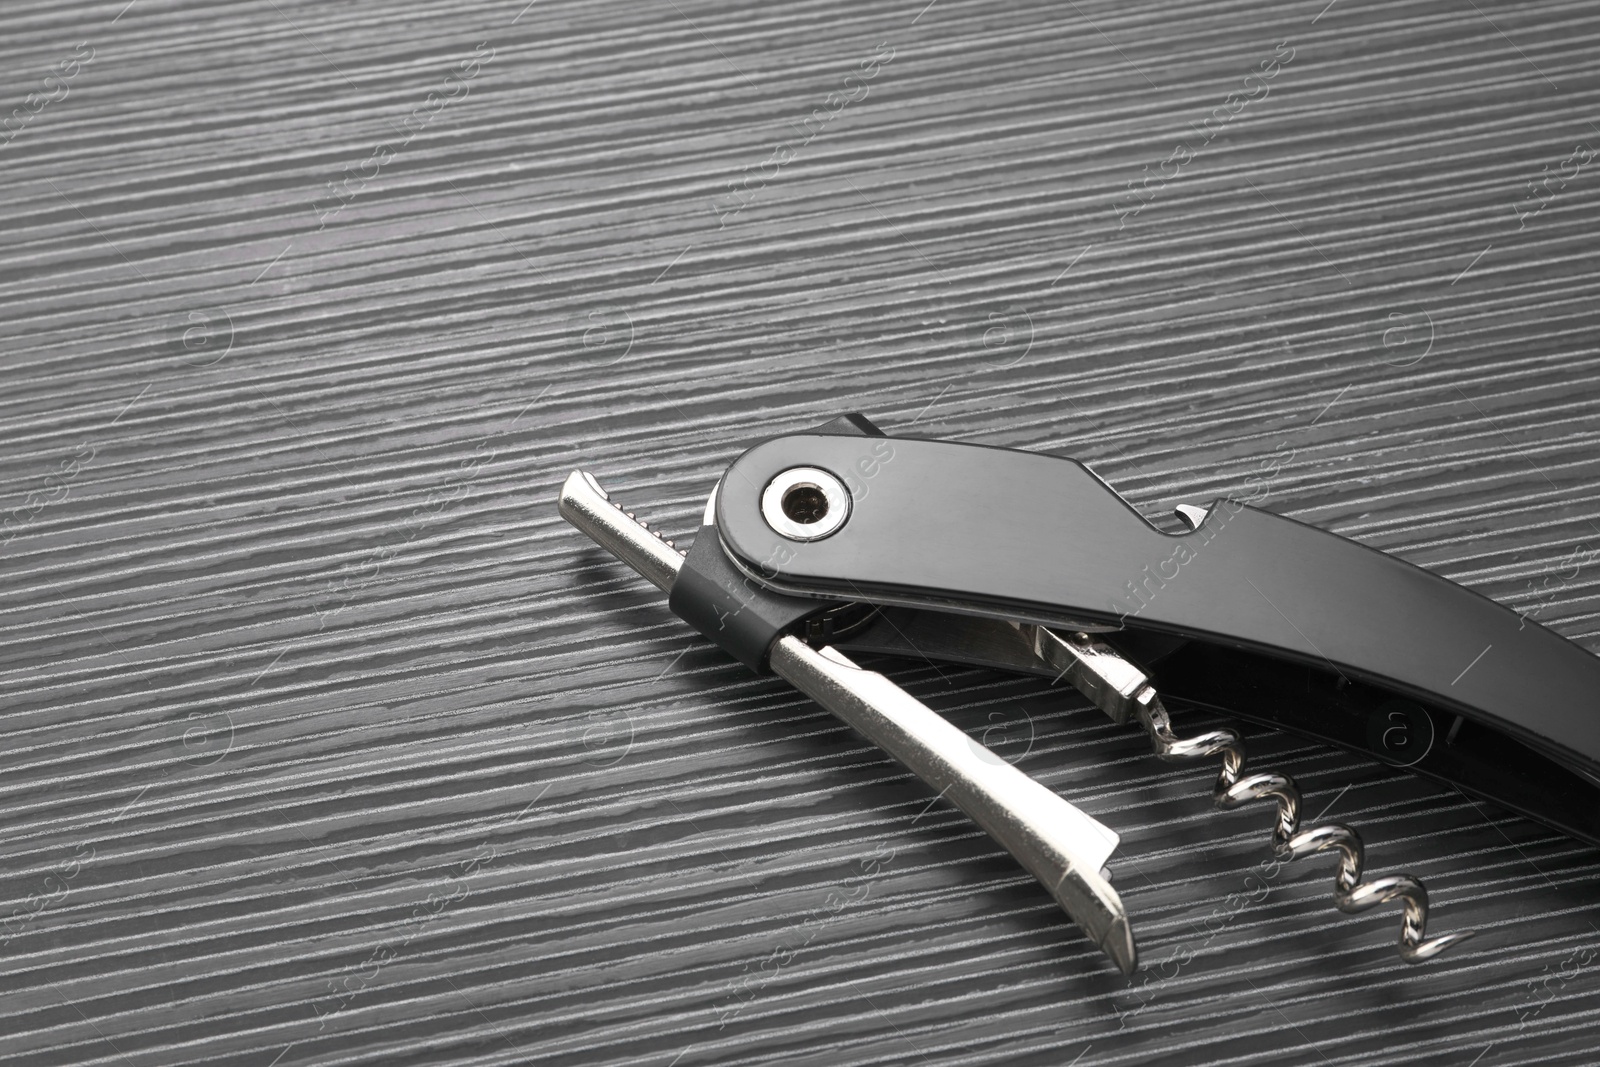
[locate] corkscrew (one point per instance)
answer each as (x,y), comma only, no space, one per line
(817,547)
(1121,690)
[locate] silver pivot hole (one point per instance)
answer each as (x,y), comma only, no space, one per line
(805,504)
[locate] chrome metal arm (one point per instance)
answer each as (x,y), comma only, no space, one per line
(1057,842)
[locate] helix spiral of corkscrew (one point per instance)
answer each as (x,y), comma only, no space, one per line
(1350,893)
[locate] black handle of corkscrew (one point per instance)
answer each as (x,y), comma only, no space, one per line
(1249,612)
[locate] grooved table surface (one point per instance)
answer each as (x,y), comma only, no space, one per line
(325,740)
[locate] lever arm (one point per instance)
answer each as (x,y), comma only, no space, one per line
(1057,843)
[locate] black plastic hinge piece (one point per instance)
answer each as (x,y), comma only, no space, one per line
(731,608)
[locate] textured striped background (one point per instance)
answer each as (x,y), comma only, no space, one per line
(326,741)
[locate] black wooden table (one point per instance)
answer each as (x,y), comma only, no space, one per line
(326,741)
